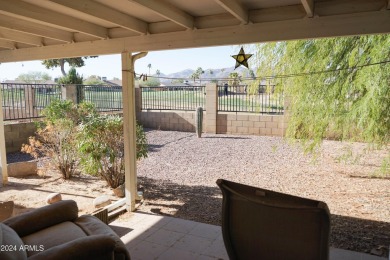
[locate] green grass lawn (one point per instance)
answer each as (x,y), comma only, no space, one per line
(104,99)
(11,97)
(186,100)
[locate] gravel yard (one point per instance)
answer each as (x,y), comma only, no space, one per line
(178,178)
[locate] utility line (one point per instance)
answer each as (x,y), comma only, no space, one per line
(276,76)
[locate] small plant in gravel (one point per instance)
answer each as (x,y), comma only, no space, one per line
(56,135)
(101,144)
(199,121)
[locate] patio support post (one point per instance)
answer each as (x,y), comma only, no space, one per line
(29,97)
(211,107)
(3,154)
(69,92)
(129,126)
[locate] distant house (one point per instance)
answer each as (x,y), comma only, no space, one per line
(113,82)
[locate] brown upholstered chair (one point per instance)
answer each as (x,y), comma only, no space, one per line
(263,224)
(56,232)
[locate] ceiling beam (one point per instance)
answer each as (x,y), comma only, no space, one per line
(15,24)
(106,13)
(236,9)
(7,34)
(7,44)
(309,7)
(323,26)
(168,11)
(35,13)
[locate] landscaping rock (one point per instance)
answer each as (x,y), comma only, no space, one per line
(6,209)
(53,198)
(119,191)
(101,201)
(20,169)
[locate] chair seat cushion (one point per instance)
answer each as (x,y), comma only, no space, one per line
(52,236)
(12,246)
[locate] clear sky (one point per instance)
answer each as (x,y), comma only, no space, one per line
(110,65)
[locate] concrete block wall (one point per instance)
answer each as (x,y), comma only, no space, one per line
(251,124)
(169,120)
(213,120)
(17,134)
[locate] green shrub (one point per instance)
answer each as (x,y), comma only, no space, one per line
(77,133)
(56,135)
(101,144)
(71,78)
(66,109)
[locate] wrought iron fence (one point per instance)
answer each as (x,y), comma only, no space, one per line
(105,98)
(241,99)
(25,101)
(173,97)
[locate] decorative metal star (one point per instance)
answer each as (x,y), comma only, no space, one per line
(241,58)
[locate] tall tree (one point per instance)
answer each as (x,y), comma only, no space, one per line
(150,82)
(34,77)
(73,62)
(336,86)
(71,78)
(199,71)
(149,66)
(93,80)
(194,76)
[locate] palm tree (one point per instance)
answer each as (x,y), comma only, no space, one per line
(158,73)
(199,71)
(194,76)
(149,66)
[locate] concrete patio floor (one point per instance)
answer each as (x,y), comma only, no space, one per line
(149,236)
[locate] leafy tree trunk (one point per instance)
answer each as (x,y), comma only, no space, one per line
(62,65)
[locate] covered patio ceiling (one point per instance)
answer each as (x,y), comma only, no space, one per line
(42,29)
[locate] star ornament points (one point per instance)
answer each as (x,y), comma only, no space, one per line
(241,58)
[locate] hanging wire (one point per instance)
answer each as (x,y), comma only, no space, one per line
(276,76)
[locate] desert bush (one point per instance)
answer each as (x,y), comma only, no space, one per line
(66,109)
(55,142)
(56,135)
(101,144)
(71,78)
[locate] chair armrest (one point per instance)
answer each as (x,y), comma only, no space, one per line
(38,219)
(93,226)
(92,247)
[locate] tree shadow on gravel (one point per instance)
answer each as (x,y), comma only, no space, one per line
(11,185)
(204,204)
(152,148)
(197,203)
(225,137)
(156,147)
(361,235)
